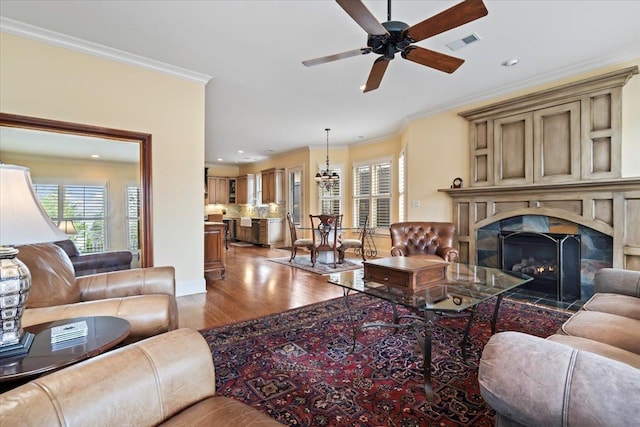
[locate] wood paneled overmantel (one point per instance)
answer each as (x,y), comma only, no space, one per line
(557,153)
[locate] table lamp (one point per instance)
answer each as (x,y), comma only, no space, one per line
(22,222)
(67,227)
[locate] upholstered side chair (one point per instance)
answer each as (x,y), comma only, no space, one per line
(295,241)
(347,244)
(431,240)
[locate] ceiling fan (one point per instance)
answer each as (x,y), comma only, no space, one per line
(388,38)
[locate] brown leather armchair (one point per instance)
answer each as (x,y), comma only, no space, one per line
(145,297)
(164,380)
(432,240)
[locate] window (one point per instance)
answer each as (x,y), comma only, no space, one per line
(331,200)
(133,217)
(85,205)
(401,187)
(372,194)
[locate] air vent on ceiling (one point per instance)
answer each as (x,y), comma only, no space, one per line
(459,44)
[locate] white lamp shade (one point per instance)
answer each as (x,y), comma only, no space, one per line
(22,219)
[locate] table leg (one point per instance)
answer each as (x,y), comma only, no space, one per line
(345,294)
(429,317)
(495,314)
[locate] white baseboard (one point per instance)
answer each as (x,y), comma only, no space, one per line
(191,287)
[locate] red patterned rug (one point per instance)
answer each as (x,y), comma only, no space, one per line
(297,366)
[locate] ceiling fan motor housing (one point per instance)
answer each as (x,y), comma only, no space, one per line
(390,44)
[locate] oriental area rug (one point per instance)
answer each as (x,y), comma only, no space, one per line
(297,366)
(303,262)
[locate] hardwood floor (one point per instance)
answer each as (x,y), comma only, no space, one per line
(253,287)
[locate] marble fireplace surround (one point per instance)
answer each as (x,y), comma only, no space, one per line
(606,213)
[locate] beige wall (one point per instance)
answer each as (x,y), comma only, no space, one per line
(41,80)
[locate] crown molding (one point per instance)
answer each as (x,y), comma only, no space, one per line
(68,42)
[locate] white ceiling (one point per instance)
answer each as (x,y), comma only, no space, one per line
(262,100)
(62,145)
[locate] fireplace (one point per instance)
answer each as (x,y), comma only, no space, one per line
(552,259)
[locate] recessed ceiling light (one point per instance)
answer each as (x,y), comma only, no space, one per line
(510,62)
(219,159)
(95,156)
(362,87)
(240,151)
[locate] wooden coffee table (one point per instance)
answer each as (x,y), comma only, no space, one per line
(104,333)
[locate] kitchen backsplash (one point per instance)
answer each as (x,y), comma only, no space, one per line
(239,211)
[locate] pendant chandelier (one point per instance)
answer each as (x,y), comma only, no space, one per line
(327,179)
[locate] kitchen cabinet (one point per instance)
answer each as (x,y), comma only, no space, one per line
(218,190)
(243,234)
(232,191)
(273,186)
(245,189)
(214,253)
(271,231)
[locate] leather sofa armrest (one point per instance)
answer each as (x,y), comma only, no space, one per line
(617,281)
(447,253)
(533,381)
(399,250)
(139,281)
(148,382)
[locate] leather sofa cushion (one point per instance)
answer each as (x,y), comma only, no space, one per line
(221,411)
(618,331)
(596,347)
(53,280)
(622,305)
(69,247)
(148,314)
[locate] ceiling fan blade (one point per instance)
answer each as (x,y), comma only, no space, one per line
(363,17)
(376,74)
(432,59)
(467,11)
(335,57)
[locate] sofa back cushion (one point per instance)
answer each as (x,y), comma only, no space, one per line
(69,247)
(53,280)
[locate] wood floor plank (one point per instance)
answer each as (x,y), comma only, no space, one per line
(253,287)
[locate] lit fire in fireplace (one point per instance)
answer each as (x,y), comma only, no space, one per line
(533,267)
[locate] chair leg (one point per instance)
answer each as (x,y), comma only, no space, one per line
(293,253)
(340,256)
(313,258)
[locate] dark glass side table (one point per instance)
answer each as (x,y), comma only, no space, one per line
(466,287)
(104,333)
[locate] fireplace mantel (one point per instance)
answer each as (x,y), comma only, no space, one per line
(535,189)
(611,207)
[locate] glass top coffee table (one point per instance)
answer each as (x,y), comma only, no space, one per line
(464,287)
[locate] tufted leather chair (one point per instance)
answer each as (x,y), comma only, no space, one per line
(432,240)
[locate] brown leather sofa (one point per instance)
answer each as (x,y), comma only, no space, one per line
(586,374)
(145,297)
(164,380)
(100,262)
(430,240)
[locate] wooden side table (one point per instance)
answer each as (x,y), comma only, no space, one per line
(104,333)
